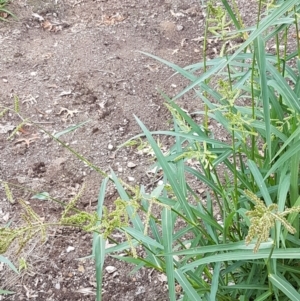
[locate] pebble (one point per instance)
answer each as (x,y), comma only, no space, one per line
(70,248)
(110,269)
(131,165)
(6,217)
(131,179)
(162,278)
(110,147)
(179,27)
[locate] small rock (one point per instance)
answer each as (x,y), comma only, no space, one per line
(70,248)
(110,269)
(162,278)
(131,179)
(131,165)
(179,27)
(81,268)
(120,169)
(6,217)
(110,147)
(57,286)
(5,80)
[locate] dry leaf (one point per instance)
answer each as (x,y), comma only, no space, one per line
(47,25)
(152,68)
(3,15)
(70,113)
(113,19)
(28,141)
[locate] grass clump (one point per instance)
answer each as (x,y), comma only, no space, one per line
(241,240)
(252,181)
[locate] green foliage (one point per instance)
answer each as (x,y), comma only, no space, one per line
(239,241)
(251,252)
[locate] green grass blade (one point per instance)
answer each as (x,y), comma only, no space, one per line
(222,248)
(99,259)
(244,256)
(283,189)
(122,246)
(260,53)
(263,296)
(9,263)
(101,197)
(167,233)
(180,70)
(260,182)
(70,129)
(186,286)
(215,282)
(231,14)
(143,238)
(4,292)
(283,285)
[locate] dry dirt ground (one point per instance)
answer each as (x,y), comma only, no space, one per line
(68,62)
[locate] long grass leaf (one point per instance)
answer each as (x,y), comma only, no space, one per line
(99,259)
(101,197)
(5,292)
(241,245)
(261,63)
(167,233)
(70,129)
(244,256)
(260,182)
(187,287)
(264,296)
(141,237)
(282,284)
(215,282)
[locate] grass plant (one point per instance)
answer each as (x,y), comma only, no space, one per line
(251,251)
(239,241)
